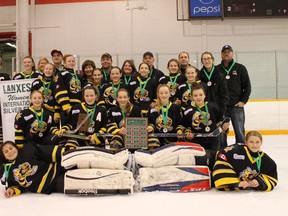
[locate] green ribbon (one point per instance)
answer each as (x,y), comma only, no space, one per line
(210,74)
(46,88)
(7,168)
(258,161)
(173,81)
(230,68)
(127,81)
(76,78)
(204,116)
(141,86)
(165,113)
(40,121)
(92,116)
(113,89)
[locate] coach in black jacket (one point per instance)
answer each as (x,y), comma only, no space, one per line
(239,87)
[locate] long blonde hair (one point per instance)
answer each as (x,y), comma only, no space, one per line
(157,102)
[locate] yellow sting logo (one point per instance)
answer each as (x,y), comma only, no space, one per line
(22,172)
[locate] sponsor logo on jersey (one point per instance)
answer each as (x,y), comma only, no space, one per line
(238,157)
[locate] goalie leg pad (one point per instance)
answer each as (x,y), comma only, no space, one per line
(175,178)
(169,155)
(93,157)
(98,182)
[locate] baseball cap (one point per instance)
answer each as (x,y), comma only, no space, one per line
(106,55)
(148,54)
(227,47)
(56,51)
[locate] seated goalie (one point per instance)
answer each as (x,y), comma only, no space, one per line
(24,170)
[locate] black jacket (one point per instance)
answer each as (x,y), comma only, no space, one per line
(239,85)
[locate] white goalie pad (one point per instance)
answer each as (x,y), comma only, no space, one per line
(175,178)
(182,153)
(93,157)
(98,182)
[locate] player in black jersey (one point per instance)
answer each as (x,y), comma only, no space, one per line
(46,85)
(143,89)
(202,117)
(68,85)
(33,168)
(96,123)
(29,70)
(116,118)
(245,166)
(185,90)
(173,80)
(109,91)
(163,117)
(34,124)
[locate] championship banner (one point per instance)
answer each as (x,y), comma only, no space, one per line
(14,97)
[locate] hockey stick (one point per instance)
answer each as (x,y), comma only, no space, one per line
(214,133)
(76,136)
(80,125)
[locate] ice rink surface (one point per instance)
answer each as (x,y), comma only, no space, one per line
(214,203)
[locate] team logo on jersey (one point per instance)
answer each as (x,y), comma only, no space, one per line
(22,172)
(109,96)
(75,85)
(141,96)
(248,174)
(18,116)
(160,124)
(186,96)
(47,95)
(172,88)
(198,119)
(35,127)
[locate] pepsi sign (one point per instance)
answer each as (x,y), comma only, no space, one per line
(205,8)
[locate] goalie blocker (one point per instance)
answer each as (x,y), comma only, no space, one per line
(98,182)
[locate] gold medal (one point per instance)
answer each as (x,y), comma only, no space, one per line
(209,83)
(165,130)
(40,134)
(207,129)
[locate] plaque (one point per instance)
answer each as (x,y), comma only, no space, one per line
(86,125)
(136,135)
